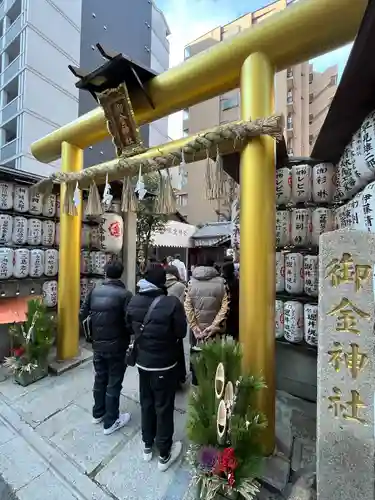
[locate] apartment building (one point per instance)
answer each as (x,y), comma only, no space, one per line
(39,39)
(302,95)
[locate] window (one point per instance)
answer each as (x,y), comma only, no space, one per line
(311,139)
(185,132)
(229,102)
(311,118)
(229,32)
(289,98)
(289,122)
(333,80)
(311,97)
(289,73)
(186,114)
(182,200)
(311,77)
(187,52)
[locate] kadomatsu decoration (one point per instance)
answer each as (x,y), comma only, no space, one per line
(223,427)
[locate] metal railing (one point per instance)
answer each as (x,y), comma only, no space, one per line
(12,32)
(11,70)
(10,109)
(9,150)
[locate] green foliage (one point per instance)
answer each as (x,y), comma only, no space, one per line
(148,221)
(245,422)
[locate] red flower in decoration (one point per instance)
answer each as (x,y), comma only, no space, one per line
(114,229)
(19,351)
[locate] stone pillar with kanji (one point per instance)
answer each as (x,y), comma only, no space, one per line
(346,367)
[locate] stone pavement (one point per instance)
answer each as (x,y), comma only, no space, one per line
(48,445)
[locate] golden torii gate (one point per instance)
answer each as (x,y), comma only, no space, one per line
(302,31)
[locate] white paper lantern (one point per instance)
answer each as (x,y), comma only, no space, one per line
(21,263)
(48,233)
(283,186)
(6,263)
(57,234)
(101,261)
(84,288)
(310,321)
(367,200)
(51,262)
(322,221)
(235,225)
(49,290)
(58,206)
(94,261)
(282,228)
(6,228)
(361,168)
(311,275)
(280,272)
(323,187)
(21,199)
(36,204)
(36,263)
(19,232)
(34,232)
(368,140)
(111,233)
(357,216)
(279,319)
(85,262)
(301,183)
(293,321)
(301,227)
(49,205)
(294,273)
(85,236)
(6,195)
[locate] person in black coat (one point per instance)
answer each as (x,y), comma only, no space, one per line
(157,356)
(232,322)
(107,305)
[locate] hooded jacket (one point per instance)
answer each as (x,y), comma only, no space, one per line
(158,344)
(206,302)
(175,287)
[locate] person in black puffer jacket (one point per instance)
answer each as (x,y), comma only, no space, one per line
(157,356)
(106,305)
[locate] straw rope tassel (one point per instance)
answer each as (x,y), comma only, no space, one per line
(209,181)
(128,198)
(69,206)
(94,205)
(166,202)
(218,179)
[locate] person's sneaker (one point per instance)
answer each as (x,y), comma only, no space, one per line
(147,453)
(165,462)
(97,420)
(120,422)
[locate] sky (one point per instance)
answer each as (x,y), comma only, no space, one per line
(189,19)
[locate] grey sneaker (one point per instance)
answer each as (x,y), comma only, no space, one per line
(165,463)
(147,453)
(120,422)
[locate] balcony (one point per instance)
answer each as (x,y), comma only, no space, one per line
(10,110)
(12,32)
(11,71)
(9,150)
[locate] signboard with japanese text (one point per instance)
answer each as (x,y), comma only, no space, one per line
(346,366)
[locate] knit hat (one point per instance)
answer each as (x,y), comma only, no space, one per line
(156,275)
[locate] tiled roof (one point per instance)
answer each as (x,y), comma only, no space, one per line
(213,230)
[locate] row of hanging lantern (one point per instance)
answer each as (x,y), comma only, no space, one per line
(297,273)
(23,263)
(296,322)
(18,198)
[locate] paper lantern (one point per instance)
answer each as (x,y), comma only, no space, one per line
(301,183)
(58,206)
(21,199)
(94,262)
(85,236)
(36,263)
(347,183)
(282,228)
(49,205)
(6,228)
(34,232)
(36,204)
(367,201)
(294,273)
(310,321)
(85,262)
(57,234)
(323,187)
(100,262)
(279,319)
(49,290)
(51,262)
(6,263)
(84,283)
(368,140)
(19,232)
(280,272)
(21,263)
(48,233)
(361,168)
(301,227)
(6,195)
(311,275)
(235,225)
(111,232)
(293,321)
(219,380)
(283,186)
(322,221)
